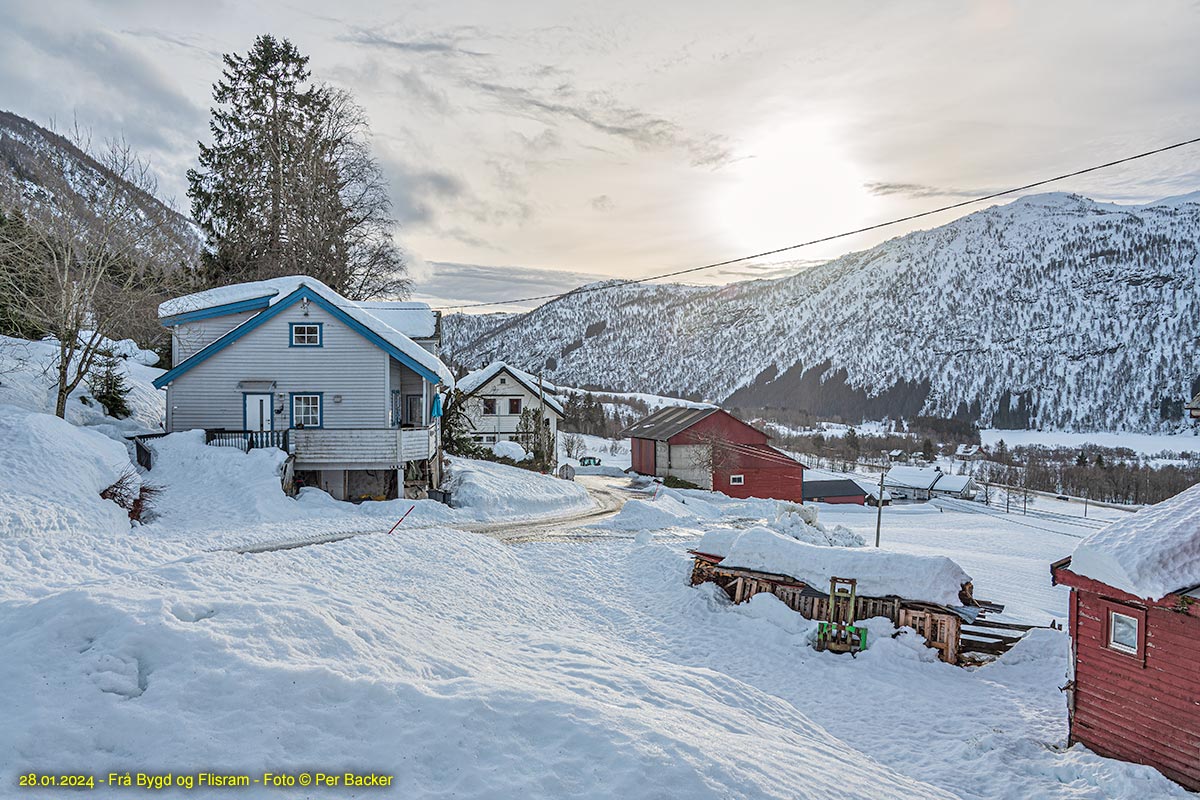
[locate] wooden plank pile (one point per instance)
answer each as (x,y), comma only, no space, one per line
(960,634)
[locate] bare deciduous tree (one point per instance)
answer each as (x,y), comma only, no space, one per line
(93,253)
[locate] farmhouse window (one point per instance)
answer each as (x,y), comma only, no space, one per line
(306,410)
(514,405)
(737,480)
(489,406)
(306,334)
(1123,632)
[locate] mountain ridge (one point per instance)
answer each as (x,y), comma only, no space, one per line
(1052,310)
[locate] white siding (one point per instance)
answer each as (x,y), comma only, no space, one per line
(503,425)
(347,365)
(191,337)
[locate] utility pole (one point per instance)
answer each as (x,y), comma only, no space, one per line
(1085,503)
(1025,506)
(879,505)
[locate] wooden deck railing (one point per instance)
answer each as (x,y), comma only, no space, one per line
(246,440)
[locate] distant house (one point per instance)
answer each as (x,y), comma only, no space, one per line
(1135,630)
(499,394)
(715,450)
(968,452)
(897,455)
(350,390)
(922,483)
(1193,408)
(838,491)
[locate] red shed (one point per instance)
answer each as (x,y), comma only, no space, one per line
(714,450)
(1135,635)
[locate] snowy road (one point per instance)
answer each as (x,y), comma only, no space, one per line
(607,496)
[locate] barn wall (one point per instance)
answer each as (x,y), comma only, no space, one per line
(641,456)
(685,461)
(775,482)
(1144,709)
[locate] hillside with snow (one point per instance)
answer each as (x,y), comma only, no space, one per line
(1053,310)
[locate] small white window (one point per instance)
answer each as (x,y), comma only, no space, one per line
(737,480)
(514,405)
(504,380)
(306,335)
(1123,632)
(306,410)
(489,406)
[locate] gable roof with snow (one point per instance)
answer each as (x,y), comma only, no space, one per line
(1150,554)
(413,319)
(473,381)
(912,477)
(265,297)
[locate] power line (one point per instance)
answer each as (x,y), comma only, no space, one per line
(876,226)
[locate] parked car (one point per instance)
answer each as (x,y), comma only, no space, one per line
(589,461)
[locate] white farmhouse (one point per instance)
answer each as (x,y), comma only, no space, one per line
(497,396)
(353,391)
(923,483)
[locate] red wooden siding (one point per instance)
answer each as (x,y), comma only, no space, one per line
(641,452)
(1142,707)
(766,473)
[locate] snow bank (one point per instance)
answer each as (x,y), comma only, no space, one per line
(1150,554)
(53,475)
(879,573)
(27,379)
(510,450)
(497,490)
(205,486)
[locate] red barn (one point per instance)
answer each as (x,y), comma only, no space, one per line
(714,450)
(1135,635)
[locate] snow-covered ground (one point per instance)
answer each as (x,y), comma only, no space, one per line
(461,666)
(1142,443)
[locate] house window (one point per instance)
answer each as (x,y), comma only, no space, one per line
(737,480)
(306,410)
(514,405)
(1123,632)
(489,406)
(503,381)
(306,334)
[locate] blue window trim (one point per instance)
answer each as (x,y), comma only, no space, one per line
(271,406)
(254,322)
(253,304)
(292,408)
(320,334)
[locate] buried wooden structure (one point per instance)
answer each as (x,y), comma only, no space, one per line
(960,634)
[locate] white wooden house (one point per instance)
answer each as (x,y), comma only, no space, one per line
(497,396)
(352,390)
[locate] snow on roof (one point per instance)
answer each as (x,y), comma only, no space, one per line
(278,289)
(912,477)
(415,320)
(952,483)
(880,573)
(473,380)
(1150,554)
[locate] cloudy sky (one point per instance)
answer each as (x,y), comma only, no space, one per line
(533,146)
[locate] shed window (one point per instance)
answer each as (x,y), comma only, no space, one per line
(1123,632)
(306,410)
(514,405)
(306,334)
(489,406)
(737,480)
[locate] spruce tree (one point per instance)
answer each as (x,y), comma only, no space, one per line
(288,185)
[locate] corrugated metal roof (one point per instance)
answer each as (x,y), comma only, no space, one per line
(666,422)
(832,488)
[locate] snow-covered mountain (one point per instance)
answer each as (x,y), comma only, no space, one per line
(1053,310)
(26,149)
